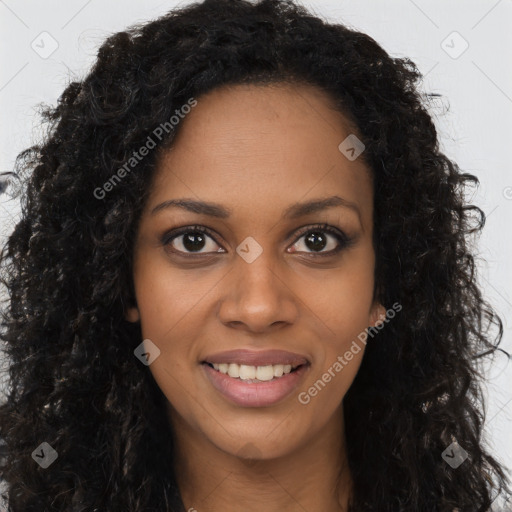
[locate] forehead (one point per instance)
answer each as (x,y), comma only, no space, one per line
(259,146)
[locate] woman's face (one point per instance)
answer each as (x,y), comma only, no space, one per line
(264,286)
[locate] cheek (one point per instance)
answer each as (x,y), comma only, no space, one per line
(167,298)
(169,307)
(343,305)
(173,307)
(343,300)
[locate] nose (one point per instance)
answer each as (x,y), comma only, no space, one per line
(257,298)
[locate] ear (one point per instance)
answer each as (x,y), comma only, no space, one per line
(377,314)
(132,314)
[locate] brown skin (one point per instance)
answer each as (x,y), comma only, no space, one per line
(256,150)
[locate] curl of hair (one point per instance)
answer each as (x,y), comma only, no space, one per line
(73,379)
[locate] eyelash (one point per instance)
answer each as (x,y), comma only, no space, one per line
(343,240)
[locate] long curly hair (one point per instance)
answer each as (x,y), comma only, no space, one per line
(74,381)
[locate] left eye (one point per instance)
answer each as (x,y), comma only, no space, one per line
(322,240)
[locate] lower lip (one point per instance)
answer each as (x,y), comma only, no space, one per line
(247,394)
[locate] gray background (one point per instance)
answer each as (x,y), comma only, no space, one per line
(476,84)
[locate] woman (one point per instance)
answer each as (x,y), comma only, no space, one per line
(242,281)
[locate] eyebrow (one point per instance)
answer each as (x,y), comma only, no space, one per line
(294,211)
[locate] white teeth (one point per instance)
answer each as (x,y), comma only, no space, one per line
(234,370)
(246,372)
(265,372)
(278,370)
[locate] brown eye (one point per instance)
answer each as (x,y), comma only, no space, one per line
(319,238)
(191,240)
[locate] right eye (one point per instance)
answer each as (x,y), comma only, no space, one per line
(190,241)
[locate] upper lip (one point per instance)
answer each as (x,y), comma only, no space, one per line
(257,358)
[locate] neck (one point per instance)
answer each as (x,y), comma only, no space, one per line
(315,476)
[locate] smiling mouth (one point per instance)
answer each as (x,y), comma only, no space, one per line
(254,374)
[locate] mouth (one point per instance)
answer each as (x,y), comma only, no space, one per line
(255,379)
(254,374)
